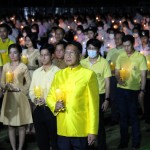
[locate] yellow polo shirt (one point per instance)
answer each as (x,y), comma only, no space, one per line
(113,54)
(81,100)
(133,65)
(42,79)
(102,70)
(4,46)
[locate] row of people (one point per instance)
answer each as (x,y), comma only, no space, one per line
(68,81)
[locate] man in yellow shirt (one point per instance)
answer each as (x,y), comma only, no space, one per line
(102,69)
(5,30)
(73,97)
(44,120)
(112,56)
(131,70)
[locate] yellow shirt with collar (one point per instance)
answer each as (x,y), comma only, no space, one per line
(102,70)
(81,100)
(43,79)
(133,65)
(4,46)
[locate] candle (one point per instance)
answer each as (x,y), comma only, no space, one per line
(9,77)
(141,52)
(113,21)
(60,96)
(24,59)
(112,66)
(122,74)
(38,92)
(21,41)
(75,38)
(148,65)
(68,27)
(21,26)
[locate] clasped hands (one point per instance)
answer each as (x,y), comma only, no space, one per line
(11,88)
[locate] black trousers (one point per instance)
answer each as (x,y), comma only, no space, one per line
(101,131)
(147,102)
(72,143)
(45,127)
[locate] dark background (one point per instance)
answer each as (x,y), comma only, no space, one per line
(72,3)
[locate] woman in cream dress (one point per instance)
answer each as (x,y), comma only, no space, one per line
(16,111)
(33,62)
(31,53)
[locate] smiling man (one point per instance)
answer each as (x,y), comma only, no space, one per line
(78,108)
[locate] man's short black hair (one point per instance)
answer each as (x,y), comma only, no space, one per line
(94,42)
(49,47)
(128,38)
(76,44)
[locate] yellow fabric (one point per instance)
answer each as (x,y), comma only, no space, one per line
(4,46)
(113,54)
(133,66)
(32,58)
(43,79)
(102,70)
(15,107)
(148,60)
(81,100)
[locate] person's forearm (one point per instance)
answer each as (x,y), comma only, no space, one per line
(143,80)
(107,87)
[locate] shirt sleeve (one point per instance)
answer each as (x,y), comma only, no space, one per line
(31,89)
(93,98)
(51,97)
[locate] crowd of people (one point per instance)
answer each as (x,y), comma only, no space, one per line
(60,74)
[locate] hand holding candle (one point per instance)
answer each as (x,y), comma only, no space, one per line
(9,77)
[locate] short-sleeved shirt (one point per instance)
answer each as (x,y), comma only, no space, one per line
(4,46)
(113,54)
(102,70)
(133,65)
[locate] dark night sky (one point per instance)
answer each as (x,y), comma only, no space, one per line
(72,3)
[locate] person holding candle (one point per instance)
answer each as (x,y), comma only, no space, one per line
(44,120)
(111,57)
(147,94)
(77,111)
(31,53)
(102,69)
(15,112)
(129,90)
(31,57)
